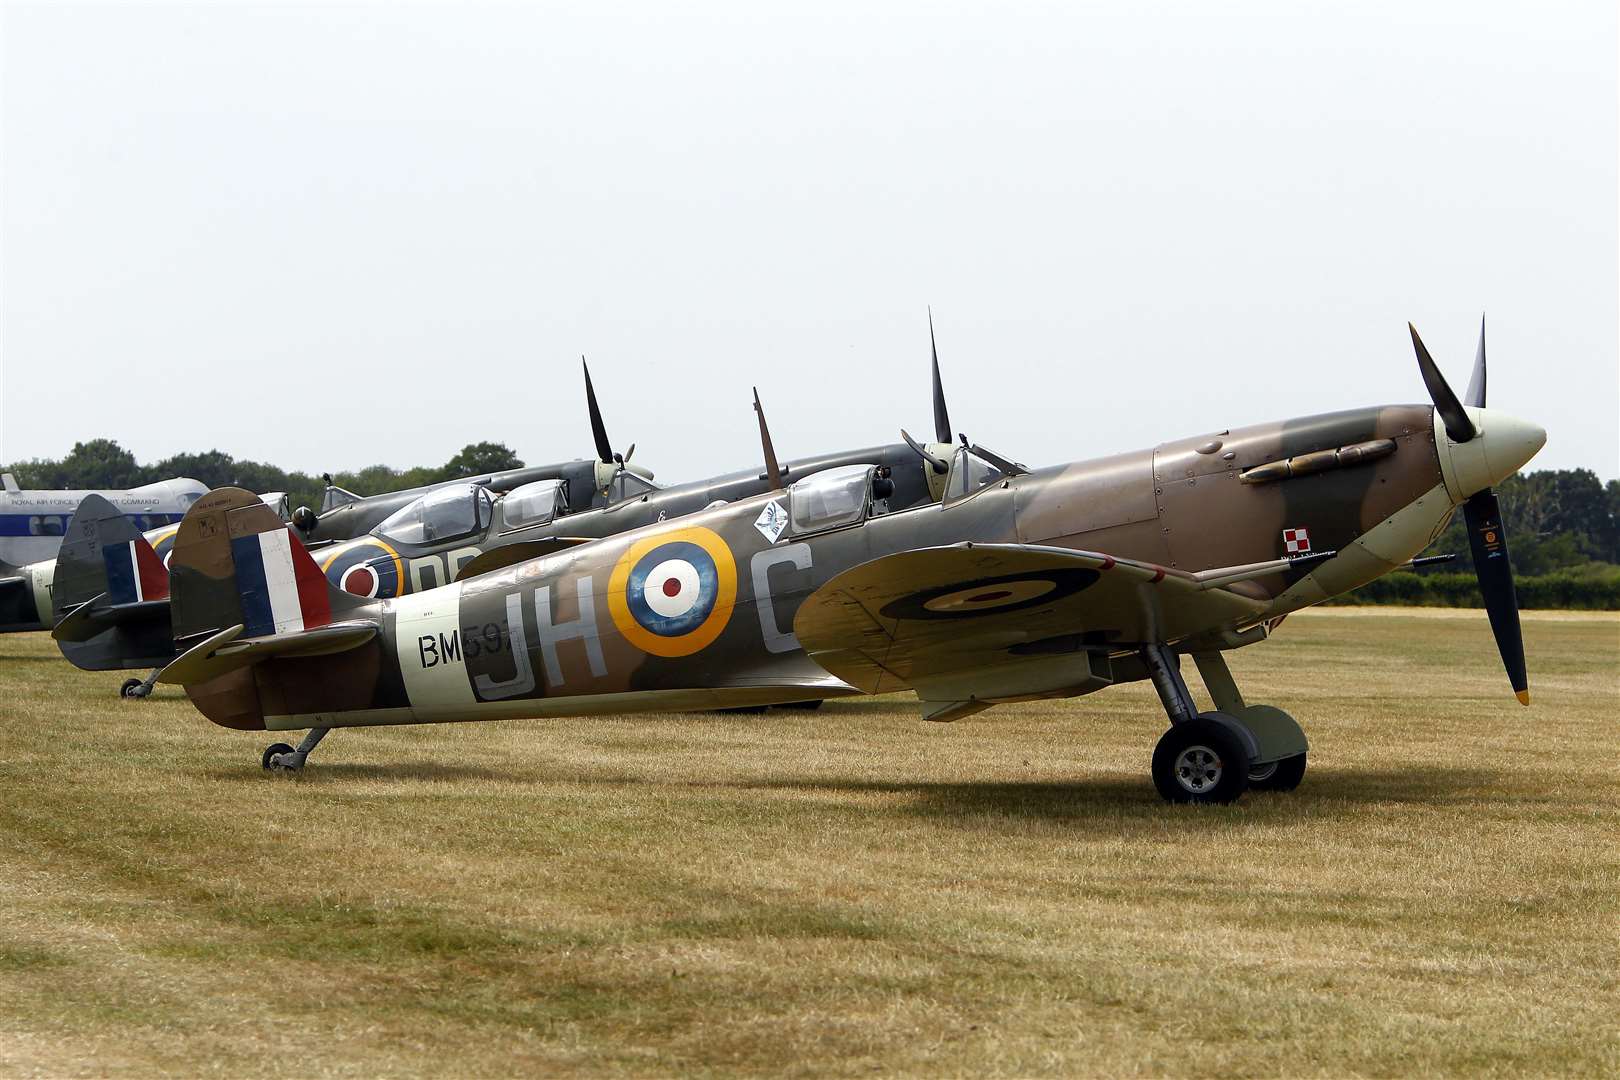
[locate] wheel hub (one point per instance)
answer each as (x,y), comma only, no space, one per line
(1198,769)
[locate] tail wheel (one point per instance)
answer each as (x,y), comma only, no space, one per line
(1283,775)
(273,751)
(131,689)
(1200,761)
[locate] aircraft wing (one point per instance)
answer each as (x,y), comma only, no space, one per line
(937,615)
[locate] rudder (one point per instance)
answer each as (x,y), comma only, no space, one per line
(236,563)
(104,554)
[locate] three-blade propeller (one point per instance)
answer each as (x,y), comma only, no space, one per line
(773,471)
(942,417)
(608,462)
(604,448)
(1482,514)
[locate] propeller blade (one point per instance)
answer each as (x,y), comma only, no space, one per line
(604,449)
(1476,384)
(630,453)
(1488,540)
(1458,427)
(942,419)
(941,467)
(772,472)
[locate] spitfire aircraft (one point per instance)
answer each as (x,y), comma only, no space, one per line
(609,478)
(112,586)
(106,595)
(1018,585)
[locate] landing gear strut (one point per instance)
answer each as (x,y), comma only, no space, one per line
(279,757)
(1214,757)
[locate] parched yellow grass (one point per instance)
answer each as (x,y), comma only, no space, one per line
(1387,611)
(841,892)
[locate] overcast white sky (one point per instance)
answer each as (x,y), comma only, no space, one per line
(330,236)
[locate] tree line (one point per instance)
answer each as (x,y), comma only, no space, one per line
(102,463)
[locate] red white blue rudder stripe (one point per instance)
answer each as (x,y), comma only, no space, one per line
(281,588)
(134,572)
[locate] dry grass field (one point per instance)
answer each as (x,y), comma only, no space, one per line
(846,892)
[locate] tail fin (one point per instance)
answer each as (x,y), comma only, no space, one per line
(104,555)
(257,626)
(235,563)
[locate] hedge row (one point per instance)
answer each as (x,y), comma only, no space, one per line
(1587,587)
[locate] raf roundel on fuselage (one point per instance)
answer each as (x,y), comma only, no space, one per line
(672,594)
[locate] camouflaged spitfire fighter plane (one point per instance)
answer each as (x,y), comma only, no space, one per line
(106,593)
(607,479)
(112,589)
(1019,585)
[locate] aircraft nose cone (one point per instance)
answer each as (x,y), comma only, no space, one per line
(1509,442)
(1501,446)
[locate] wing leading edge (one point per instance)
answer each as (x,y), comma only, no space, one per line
(983,623)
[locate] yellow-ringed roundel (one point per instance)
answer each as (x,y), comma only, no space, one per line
(992,595)
(163,544)
(367,567)
(672,594)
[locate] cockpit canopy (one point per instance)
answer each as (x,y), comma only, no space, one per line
(828,499)
(534,504)
(442,514)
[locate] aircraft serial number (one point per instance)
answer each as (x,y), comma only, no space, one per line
(466,643)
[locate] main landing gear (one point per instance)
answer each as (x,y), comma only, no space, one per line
(279,757)
(1214,757)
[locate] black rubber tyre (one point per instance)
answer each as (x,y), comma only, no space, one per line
(270,752)
(1200,761)
(1283,775)
(131,689)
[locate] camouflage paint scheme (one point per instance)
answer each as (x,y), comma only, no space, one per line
(397,568)
(346,518)
(408,568)
(1115,544)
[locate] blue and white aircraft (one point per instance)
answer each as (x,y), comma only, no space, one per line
(32,522)
(31,527)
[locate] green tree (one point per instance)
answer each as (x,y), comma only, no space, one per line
(476,459)
(102,463)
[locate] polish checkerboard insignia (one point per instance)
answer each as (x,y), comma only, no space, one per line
(771,521)
(1296,541)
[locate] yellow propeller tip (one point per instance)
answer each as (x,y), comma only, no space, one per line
(1523,696)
